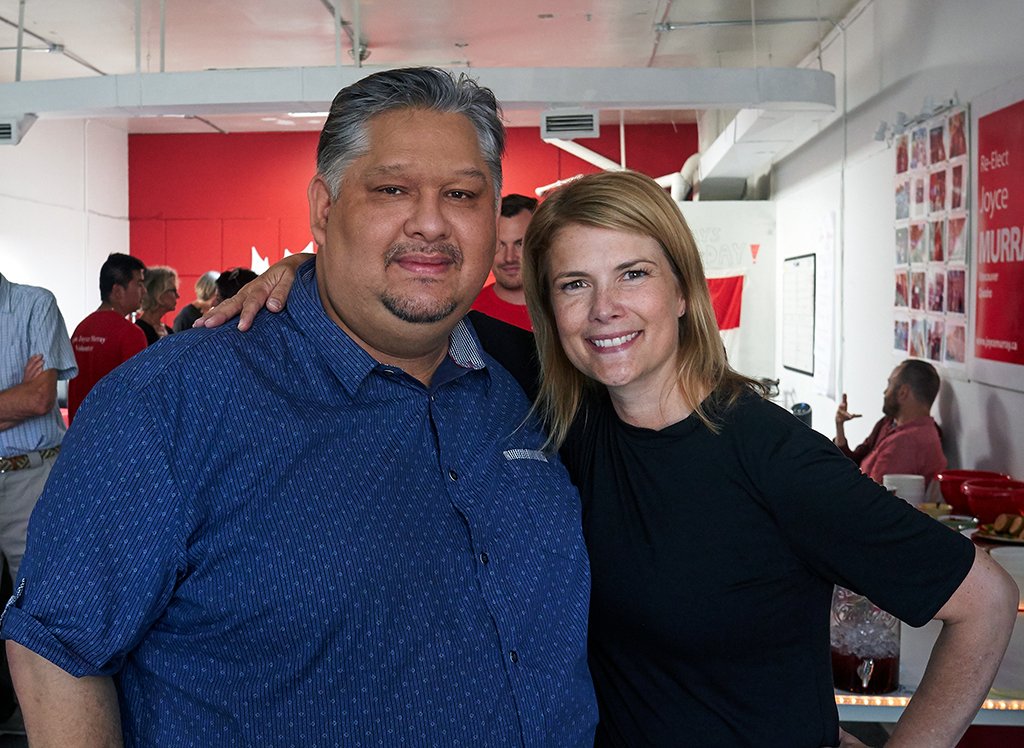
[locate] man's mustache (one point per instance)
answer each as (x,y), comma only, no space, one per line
(397,251)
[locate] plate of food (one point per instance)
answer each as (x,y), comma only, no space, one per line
(1008,528)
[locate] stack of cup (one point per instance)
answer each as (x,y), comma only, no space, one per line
(910,488)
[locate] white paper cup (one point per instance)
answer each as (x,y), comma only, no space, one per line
(910,488)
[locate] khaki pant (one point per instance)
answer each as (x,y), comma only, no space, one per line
(19,491)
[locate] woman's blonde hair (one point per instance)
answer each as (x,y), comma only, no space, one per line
(206,285)
(157,280)
(633,203)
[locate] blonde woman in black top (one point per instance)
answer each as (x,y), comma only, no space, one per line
(716,522)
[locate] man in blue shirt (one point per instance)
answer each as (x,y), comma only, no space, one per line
(362,542)
(36,352)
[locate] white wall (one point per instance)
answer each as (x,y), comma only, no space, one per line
(897,53)
(64,208)
(725,232)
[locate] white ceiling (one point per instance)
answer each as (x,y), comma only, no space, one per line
(81,38)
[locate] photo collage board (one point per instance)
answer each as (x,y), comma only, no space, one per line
(931,238)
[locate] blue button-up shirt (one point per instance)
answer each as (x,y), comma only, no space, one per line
(30,323)
(272,539)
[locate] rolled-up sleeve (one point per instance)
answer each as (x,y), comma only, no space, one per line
(50,337)
(106,541)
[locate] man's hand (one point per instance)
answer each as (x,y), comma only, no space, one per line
(843,414)
(33,367)
(269,290)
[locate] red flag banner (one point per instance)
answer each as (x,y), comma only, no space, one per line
(727,298)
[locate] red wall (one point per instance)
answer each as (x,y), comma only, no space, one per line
(201,202)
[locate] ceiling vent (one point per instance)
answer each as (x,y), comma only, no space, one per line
(12,129)
(569,124)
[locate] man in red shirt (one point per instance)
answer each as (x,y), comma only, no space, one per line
(105,339)
(906,439)
(505,299)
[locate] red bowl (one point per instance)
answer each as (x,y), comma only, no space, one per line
(990,498)
(951,484)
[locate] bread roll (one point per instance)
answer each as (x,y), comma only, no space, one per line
(1016,527)
(1002,523)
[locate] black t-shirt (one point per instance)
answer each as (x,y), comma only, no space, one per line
(151,334)
(188,315)
(713,559)
(512,347)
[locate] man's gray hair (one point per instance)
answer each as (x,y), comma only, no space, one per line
(345,136)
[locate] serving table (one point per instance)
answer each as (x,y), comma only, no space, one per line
(1005,705)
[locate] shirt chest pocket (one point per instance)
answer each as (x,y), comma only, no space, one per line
(548,499)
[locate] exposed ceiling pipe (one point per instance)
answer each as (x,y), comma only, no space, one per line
(163,33)
(357,44)
(21,36)
(208,123)
(541,191)
(675,185)
(691,170)
(359,50)
(681,183)
(337,32)
(585,154)
(753,31)
(622,138)
(657,34)
(138,37)
(51,47)
(688,25)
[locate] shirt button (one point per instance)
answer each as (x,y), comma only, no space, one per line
(389,372)
(484,558)
(453,475)
(514,656)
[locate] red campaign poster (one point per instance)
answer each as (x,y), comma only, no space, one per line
(999,249)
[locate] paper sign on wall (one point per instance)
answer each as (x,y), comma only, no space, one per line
(998,256)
